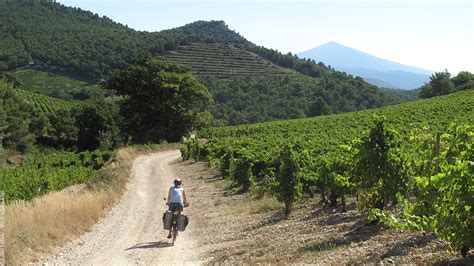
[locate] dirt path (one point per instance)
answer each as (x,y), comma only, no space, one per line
(132,232)
(237,228)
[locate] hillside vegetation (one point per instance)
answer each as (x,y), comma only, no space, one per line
(43,104)
(58,86)
(49,36)
(40,174)
(211,59)
(29,119)
(421,151)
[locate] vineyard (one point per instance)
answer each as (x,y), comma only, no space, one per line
(206,59)
(416,156)
(39,174)
(57,86)
(44,104)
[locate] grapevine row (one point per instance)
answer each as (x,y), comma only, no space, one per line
(386,162)
(47,105)
(39,174)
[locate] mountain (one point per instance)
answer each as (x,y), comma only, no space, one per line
(375,70)
(249,83)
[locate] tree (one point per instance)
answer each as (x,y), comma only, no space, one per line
(463,81)
(97,124)
(440,84)
(319,107)
(15,120)
(39,125)
(161,100)
(63,126)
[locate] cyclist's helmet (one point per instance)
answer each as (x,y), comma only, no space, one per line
(178,182)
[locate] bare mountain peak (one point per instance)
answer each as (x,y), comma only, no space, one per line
(359,63)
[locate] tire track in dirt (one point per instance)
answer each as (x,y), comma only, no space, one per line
(132,232)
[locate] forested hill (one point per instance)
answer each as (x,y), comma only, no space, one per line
(49,36)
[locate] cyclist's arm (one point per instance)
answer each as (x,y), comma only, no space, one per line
(168,198)
(185,198)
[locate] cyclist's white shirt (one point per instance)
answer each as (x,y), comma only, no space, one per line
(176,195)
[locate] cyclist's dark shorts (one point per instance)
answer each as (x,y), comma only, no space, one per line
(177,205)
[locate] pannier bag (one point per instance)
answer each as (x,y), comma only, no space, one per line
(167,217)
(183,221)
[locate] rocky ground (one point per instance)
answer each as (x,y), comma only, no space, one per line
(232,227)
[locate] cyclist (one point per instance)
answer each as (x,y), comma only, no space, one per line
(176,198)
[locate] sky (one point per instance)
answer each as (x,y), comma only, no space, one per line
(430,34)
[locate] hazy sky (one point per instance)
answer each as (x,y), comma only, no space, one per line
(430,34)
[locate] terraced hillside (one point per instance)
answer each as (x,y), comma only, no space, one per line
(247,88)
(212,59)
(243,78)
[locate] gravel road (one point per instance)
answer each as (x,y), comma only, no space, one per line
(132,232)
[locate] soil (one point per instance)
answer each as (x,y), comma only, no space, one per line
(132,232)
(235,227)
(228,226)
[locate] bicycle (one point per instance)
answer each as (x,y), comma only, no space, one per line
(174,224)
(175,212)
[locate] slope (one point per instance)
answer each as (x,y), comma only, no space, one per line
(369,67)
(58,85)
(43,104)
(49,36)
(213,59)
(330,131)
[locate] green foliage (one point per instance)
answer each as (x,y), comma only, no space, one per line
(387,163)
(63,125)
(248,89)
(26,117)
(463,81)
(98,126)
(39,174)
(444,188)
(253,99)
(441,84)
(46,105)
(161,100)
(220,60)
(49,35)
(240,169)
(289,178)
(379,166)
(333,175)
(250,83)
(453,200)
(319,107)
(9,78)
(58,86)
(16,118)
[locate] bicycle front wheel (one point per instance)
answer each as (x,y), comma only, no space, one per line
(175,234)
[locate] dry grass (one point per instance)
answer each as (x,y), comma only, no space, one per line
(35,228)
(266,204)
